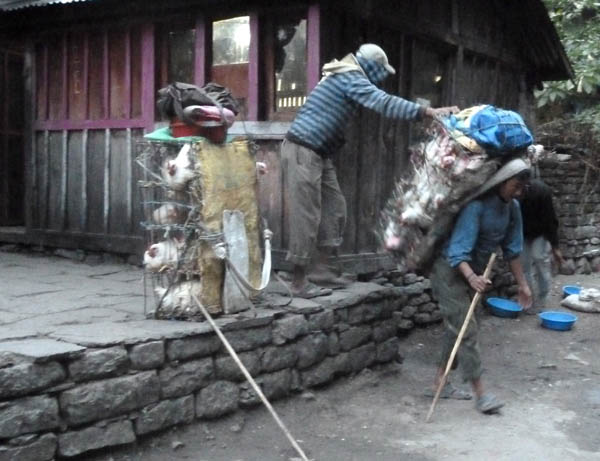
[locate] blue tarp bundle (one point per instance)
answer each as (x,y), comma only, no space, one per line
(497,130)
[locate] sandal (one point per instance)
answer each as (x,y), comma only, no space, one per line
(450,392)
(488,404)
(310,290)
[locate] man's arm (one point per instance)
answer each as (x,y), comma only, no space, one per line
(364,93)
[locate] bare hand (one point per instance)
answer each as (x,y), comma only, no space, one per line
(524,297)
(479,283)
(441,111)
(558,256)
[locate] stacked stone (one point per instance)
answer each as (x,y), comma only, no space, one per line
(576,187)
(136,378)
(420,308)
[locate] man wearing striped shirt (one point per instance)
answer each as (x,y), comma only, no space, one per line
(317,208)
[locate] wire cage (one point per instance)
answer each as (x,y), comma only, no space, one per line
(174,231)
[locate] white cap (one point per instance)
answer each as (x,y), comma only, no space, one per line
(375,53)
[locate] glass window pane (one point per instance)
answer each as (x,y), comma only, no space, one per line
(231,46)
(182,44)
(231,41)
(290,64)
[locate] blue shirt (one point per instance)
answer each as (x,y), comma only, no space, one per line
(482,226)
(321,121)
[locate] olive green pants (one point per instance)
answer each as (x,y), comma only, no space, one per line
(316,206)
(454,298)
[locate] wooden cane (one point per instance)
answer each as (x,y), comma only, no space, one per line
(246,373)
(474,303)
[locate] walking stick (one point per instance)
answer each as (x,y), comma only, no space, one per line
(246,373)
(474,303)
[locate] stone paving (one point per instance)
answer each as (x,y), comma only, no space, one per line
(83,368)
(41,294)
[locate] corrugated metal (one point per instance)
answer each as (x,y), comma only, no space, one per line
(10,5)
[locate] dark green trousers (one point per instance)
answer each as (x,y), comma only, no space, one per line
(454,297)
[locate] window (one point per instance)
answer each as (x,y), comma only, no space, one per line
(181,53)
(230,52)
(290,65)
(262,59)
(175,53)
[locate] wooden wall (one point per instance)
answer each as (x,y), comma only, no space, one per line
(12,158)
(94,98)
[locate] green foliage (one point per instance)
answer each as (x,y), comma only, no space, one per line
(578,25)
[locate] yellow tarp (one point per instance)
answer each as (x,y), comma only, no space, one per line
(226,181)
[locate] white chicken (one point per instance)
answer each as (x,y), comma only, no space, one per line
(163,254)
(178,171)
(166,214)
(178,298)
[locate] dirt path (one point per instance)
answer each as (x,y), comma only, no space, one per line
(549,380)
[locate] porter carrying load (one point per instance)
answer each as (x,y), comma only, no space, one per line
(460,154)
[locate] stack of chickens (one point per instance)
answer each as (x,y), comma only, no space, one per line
(419,215)
(172,256)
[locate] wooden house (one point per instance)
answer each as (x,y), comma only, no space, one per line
(91,70)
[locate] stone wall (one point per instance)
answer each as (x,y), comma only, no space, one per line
(103,385)
(575,182)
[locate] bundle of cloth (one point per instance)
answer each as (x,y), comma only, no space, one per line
(453,165)
(587,300)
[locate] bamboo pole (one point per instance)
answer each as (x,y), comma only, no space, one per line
(239,363)
(463,329)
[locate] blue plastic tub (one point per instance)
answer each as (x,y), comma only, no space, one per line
(555,320)
(571,290)
(501,307)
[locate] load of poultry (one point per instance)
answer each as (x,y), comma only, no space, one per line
(190,187)
(460,153)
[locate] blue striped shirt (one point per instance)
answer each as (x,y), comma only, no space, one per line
(321,121)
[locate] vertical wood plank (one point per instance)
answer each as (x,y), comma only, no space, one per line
(105,75)
(129,179)
(253,68)
(200,62)
(44,183)
(106,202)
(119,100)
(41,89)
(76,88)
(95,181)
(56,84)
(148,76)
(136,73)
(55,180)
(75,183)
(84,175)
(96,109)
(313,46)
(63,180)
(138,174)
(119,184)
(30,72)
(127,76)
(65,78)
(4,105)
(86,65)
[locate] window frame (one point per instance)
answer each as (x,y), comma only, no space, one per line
(259,102)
